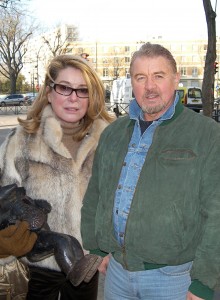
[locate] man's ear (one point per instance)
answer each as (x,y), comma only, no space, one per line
(177,79)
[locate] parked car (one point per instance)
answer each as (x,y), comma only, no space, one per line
(30,97)
(12,100)
(217,103)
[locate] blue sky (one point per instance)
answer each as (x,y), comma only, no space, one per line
(127,20)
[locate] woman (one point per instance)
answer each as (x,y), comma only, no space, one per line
(50,154)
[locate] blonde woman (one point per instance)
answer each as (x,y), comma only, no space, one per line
(51,154)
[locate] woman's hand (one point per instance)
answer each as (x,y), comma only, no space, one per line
(16,240)
(104,265)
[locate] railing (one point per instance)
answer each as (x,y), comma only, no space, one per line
(216,113)
(14,109)
(122,109)
(118,108)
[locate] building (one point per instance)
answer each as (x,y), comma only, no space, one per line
(112,60)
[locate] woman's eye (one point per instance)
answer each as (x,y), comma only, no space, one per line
(63,87)
(83,91)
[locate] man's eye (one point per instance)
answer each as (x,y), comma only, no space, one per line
(140,78)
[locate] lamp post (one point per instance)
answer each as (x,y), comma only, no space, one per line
(37,66)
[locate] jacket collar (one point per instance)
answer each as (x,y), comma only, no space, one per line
(168,116)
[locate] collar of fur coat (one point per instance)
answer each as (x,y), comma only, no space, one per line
(52,133)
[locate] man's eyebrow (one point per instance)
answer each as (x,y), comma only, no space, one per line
(160,72)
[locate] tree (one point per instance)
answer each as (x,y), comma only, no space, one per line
(59,41)
(209,70)
(14,34)
(4,3)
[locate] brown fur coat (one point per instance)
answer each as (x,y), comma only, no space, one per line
(43,166)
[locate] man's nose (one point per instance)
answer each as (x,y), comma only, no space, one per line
(149,83)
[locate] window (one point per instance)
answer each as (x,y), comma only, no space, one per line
(70,34)
(116,73)
(127,48)
(183,71)
(195,47)
(116,60)
(116,49)
(194,71)
(105,60)
(105,72)
(105,49)
(195,58)
(183,48)
(127,59)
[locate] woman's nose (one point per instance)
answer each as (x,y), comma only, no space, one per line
(73,96)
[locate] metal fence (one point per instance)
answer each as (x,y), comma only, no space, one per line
(119,109)
(4,110)
(122,109)
(216,113)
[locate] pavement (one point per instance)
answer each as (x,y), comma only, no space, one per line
(9,120)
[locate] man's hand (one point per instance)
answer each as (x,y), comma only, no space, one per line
(190,296)
(16,240)
(104,265)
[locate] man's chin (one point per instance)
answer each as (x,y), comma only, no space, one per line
(152,109)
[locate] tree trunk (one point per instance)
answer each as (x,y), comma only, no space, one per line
(13,79)
(208,79)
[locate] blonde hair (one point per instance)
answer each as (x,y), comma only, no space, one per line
(95,87)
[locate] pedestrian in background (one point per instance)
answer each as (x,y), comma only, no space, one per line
(50,154)
(152,206)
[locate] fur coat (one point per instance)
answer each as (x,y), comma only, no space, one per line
(44,167)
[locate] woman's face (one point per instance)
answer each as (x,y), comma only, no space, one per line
(70,108)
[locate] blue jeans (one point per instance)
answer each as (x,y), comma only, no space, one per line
(167,283)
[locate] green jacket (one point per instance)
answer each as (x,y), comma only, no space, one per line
(175,212)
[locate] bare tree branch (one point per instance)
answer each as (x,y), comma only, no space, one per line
(14,36)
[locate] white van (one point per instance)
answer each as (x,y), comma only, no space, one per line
(121,94)
(191,97)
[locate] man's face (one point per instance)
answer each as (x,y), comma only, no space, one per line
(154,84)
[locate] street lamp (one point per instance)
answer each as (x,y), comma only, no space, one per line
(37,66)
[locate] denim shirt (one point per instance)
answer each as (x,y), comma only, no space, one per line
(137,151)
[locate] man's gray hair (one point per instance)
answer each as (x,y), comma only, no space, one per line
(154,50)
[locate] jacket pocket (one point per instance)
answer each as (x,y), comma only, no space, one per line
(177,154)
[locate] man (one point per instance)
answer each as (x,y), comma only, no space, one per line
(153,198)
